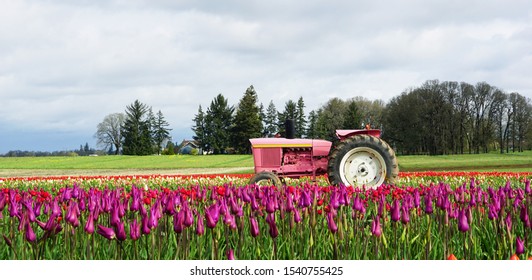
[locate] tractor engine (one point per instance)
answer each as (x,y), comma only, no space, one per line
(290,157)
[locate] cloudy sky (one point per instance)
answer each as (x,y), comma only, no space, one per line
(65,65)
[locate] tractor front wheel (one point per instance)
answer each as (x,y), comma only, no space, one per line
(362,160)
(265,179)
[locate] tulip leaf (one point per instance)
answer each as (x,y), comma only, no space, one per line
(414,239)
(403,235)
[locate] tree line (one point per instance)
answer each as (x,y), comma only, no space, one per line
(138,131)
(435,118)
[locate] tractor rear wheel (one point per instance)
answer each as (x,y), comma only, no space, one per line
(362,160)
(265,179)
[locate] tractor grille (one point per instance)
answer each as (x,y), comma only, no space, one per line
(271,157)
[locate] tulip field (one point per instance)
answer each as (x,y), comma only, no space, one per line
(424,216)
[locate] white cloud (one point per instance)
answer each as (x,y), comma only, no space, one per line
(65,65)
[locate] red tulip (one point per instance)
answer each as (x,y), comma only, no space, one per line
(451,257)
(514,257)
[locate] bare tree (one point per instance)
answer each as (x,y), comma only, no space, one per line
(108,132)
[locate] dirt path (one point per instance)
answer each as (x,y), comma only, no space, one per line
(8,173)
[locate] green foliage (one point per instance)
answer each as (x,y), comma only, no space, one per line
(300,119)
(290,112)
(161,132)
(247,122)
(218,122)
(453,118)
(200,129)
(137,130)
(270,120)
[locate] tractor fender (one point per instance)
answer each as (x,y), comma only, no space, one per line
(346,133)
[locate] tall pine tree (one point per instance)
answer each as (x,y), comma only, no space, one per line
(270,120)
(290,112)
(137,130)
(301,122)
(161,132)
(199,129)
(247,122)
(218,125)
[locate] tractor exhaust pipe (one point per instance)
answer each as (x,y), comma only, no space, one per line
(290,129)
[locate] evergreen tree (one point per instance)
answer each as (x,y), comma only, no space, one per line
(300,118)
(218,125)
(199,129)
(270,120)
(290,112)
(353,118)
(311,128)
(247,122)
(136,130)
(160,131)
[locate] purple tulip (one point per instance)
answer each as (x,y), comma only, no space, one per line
(405,215)
(274,232)
(376,229)
(179,219)
(463,225)
(395,211)
(56,210)
(189,216)
(72,214)
(211,215)
(106,232)
(508,221)
(144,224)
(271,204)
(297,216)
(114,218)
(200,228)
(334,199)
(121,232)
(493,214)
(524,216)
(428,204)
(417,198)
(230,254)
(527,187)
(519,246)
(254,226)
(331,223)
(30,234)
(89,225)
(2,202)
(134,229)
(169,208)
(254,204)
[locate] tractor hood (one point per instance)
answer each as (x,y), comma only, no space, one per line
(319,147)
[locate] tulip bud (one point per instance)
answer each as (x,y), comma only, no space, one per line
(463,225)
(254,226)
(519,246)
(376,229)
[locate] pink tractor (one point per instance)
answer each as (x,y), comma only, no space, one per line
(361,158)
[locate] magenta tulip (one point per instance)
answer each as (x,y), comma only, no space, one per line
(254,226)
(395,211)
(519,246)
(376,229)
(463,224)
(106,232)
(134,229)
(30,234)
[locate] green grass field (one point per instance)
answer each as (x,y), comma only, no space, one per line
(40,166)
